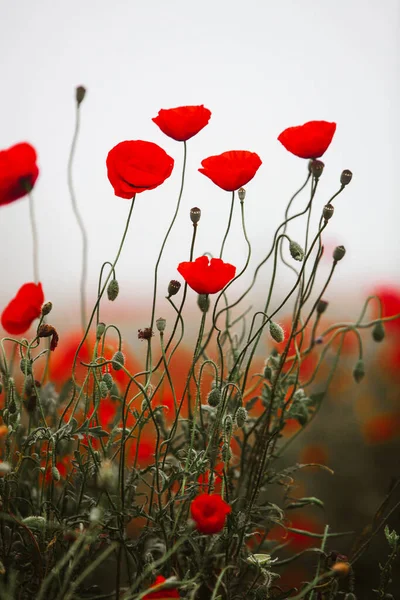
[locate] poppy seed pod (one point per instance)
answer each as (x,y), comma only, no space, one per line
(26,366)
(203,302)
(118,361)
(46,308)
(195,214)
(173,287)
(241,194)
(328,211)
(338,253)
(276,332)
(378,332)
(317,167)
(322,306)
(160,324)
(346,177)
(112,290)
(80,94)
(359,371)
(296,251)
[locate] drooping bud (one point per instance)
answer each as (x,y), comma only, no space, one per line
(101,327)
(276,332)
(203,302)
(112,290)
(46,308)
(108,380)
(346,177)
(241,194)
(160,324)
(338,253)
(226,453)
(49,331)
(378,332)
(328,211)
(214,397)
(26,366)
(359,371)
(322,306)
(195,214)
(173,287)
(317,167)
(80,93)
(103,389)
(296,251)
(241,416)
(118,361)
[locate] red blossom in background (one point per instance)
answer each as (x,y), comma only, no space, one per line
(19,314)
(165,593)
(231,170)
(18,172)
(183,122)
(310,140)
(136,166)
(209,513)
(207,277)
(390,299)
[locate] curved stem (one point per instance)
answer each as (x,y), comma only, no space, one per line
(32,217)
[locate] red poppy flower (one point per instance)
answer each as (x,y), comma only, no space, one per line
(183,122)
(137,166)
(209,513)
(231,170)
(165,593)
(18,172)
(19,314)
(310,140)
(207,277)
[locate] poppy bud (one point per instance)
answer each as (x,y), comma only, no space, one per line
(359,371)
(80,93)
(378,332)
(226,453)
(241,416)
(322,306)
(113,290)
(296,250)
(195,214)
(328,211)
(341,569)
(173,287)
(241,194)
(346,177)
(276,332)
(46,308)
(26,366)
(338,253)
(55,473)
(101,327)
(228,425)
(317,166)
(214,397)
(108,380)
(160,324)
(103,389)
(118,361)
(203,302)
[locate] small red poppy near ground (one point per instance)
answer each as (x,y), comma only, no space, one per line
(183,122)
(231,170)
(136,166)
(209,513)
(165,593)
(310,140)
(19,314)
(206,276)
(18,172)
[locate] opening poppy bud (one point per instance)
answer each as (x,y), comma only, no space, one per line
(296,250)
(338,253)
(118,361)
(317,167)
(195,214)
(160,324)
(322,306)
(203,302)
(26,366)
(173,287)
(55,473)
(359,371)
(80,93)
(103,389)
(346,177)
(46,308)
(113,290)
(241,416)
(328,211)
(276,332)
(241,194)
(214,397)
(378,332)
(101,327)
(108,380)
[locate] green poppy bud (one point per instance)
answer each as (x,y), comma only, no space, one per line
(328,211)
(276,332)
(118,361)
(359,371)
(296,251)
(112,290)
(378,332)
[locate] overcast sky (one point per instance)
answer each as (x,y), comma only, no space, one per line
(259,66)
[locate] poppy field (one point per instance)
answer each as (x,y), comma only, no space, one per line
(182,471)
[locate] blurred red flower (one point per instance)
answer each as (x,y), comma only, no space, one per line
(298,541)
(136,166)
(231,170)
(207,277)
(390,298)
(310,140)
(18,172)
(183,122)
(19,314)
(165,593)
(382,428)
(209,513)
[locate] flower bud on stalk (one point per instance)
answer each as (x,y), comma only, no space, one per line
(338,253)
(103,389)
(214,397)
(46,308)
(173,287)
(80,93)
(378,332)
(195,214)
(296,251)
(328,211)
(346,177)
(241,416)
(112,290)
(276,332)
(359,371)
(317,167)
(322,306)
(241,194)
(55,473)
(203,302)
(160,324)
(108,380)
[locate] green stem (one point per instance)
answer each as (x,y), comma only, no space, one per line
(229,225)
(35,252)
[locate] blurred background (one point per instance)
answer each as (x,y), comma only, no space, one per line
(259,67)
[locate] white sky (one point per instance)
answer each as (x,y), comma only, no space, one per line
(259,66)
